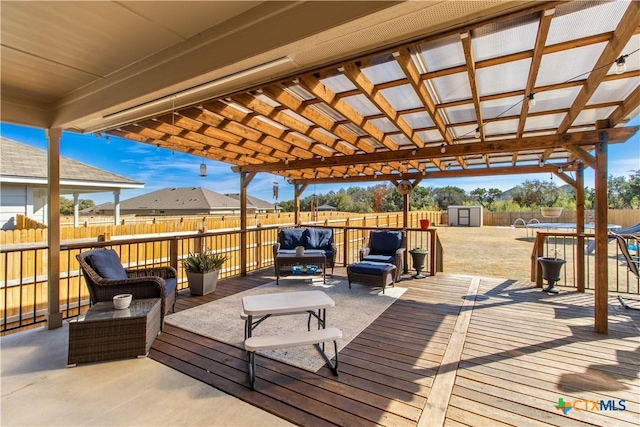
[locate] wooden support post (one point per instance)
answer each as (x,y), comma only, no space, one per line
(580,272)
(173,253)
(245,179)
(298,189)
(602,256)
(53,315)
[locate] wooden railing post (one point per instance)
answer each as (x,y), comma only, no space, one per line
(173,253)
(345,238)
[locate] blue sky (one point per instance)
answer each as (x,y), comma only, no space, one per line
(160,168)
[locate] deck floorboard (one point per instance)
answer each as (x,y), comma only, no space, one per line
(522,351)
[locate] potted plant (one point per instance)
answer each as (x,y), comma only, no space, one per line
(419,255)
(202,271)
(551,267)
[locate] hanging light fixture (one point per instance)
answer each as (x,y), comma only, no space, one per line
(621,65)
(478,132)
(443,148)
(532,100)
(203,169)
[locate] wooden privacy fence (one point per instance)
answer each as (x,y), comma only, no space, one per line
(139,226)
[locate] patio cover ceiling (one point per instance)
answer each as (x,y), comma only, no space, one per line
(451,102)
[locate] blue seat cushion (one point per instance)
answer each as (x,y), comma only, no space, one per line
(289,238)
(107,264)
(385,242)
(370,268)
(319,238)
(389,259)
(171,283)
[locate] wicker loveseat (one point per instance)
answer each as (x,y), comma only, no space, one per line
(105,278)
(386,246)
(314,240)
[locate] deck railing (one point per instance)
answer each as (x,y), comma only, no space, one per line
(24,280)
(579,249)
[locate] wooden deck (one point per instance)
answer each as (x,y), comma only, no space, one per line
(453,350)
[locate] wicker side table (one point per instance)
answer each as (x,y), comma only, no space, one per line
(104,333)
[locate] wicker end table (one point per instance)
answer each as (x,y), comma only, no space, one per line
(104,333)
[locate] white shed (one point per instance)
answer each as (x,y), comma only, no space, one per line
(465,216)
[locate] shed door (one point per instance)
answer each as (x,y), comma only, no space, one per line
(464,217)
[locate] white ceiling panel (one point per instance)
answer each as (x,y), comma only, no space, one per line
(571,23)
(554,99)
(454,87)
(443,53)
(460,114)
(402,97)
(548,121)
(382,73)
(418,120)
(568,65)
(503,78)
(500,39)
(338,83)
(362,104)
(501,127)
(590,116)
(501,107)
(614,90)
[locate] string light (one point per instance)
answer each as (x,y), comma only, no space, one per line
(478,132)
(560,170)
(532,100)
(443,148)
(541,163)
(621,64)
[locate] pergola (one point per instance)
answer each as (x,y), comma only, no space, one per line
(323,92)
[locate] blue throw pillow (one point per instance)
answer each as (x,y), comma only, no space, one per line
(107,264)
(291,237)
(319,238)
(385,242)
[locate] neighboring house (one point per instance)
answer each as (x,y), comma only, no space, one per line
(327,208)
(24,182)
(183,201)
(257,205)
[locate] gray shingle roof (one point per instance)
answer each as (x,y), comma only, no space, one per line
(253,201)
(25,161)
(188,198)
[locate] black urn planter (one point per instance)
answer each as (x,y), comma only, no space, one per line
(551,272)
(418,263)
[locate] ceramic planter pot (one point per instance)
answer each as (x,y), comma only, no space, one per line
(418,263)
(551,268)
(424,224)
(202,283)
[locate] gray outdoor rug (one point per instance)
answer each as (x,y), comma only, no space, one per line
(355,309)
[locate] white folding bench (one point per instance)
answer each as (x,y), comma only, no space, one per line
(298,339)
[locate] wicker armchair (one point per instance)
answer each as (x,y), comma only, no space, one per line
(386,246)
(155,282)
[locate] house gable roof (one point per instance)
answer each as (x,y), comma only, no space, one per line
(24,164)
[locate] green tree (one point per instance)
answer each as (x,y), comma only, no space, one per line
(449,196)
(536,193)
(66,205)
